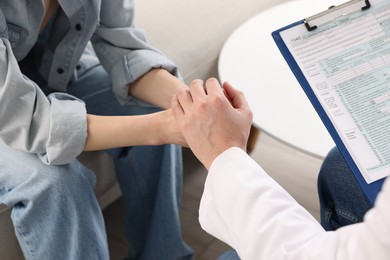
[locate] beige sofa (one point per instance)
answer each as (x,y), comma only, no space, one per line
(191,33)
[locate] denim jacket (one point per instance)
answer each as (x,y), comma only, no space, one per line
(54,126)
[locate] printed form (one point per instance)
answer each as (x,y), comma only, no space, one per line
(347,64)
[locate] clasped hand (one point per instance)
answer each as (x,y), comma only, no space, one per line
(212,118)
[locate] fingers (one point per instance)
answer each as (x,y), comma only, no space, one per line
(187,96)
(184,98)
(237,97)
(178,111)
(213,87)
(197,90)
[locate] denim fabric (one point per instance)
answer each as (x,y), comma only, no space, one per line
(55,212)
(35,124)
(53,127)
(342,200)
(150,178)
(229,255)
(121,47)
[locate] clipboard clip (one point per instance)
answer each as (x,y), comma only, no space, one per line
(334,12)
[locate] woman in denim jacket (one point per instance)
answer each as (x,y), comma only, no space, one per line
(68,69)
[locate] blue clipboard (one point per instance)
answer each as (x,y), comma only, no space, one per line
(371,190)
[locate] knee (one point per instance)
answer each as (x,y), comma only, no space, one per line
(334,170)
(71,177)
(333,163)
(58,182)
(328,168)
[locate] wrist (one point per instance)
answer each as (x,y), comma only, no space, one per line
(162,128)
(212,156)
(157,129)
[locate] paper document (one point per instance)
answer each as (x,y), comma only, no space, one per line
(346,62)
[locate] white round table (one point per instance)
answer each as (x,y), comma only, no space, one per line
(251,61)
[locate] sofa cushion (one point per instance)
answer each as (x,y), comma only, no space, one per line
(9,246)
(192,32)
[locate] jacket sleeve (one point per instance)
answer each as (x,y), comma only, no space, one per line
(242,206)
(122,48)
(53,127)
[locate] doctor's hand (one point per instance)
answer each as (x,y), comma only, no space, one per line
(212,118)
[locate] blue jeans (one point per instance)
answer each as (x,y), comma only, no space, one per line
(342,200)
(55,212)
(229,255)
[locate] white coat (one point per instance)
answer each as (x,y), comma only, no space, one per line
(244,207)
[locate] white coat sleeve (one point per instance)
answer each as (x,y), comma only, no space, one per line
(244,207)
